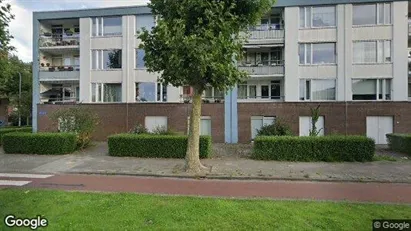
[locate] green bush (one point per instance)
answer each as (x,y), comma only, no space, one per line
(278,128)
(138,130)
(400,142)
(328,149)
(7,130)
(39,143)
(155,146)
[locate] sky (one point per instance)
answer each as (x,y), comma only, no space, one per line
(22,26)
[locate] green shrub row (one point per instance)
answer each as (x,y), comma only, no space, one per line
(155,146)
(39,143)
(400,142)
(6,130)
(328,149)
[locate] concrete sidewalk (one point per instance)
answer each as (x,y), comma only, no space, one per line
(95,160)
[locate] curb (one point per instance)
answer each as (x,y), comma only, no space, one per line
(229,178)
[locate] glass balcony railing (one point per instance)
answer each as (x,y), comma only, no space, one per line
(60,40)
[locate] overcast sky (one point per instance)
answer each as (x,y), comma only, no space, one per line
(21,27)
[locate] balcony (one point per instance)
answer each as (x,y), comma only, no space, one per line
(275,69)
(265,34)
(61,73)
(51,41)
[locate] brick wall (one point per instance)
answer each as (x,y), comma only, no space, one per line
(120,118)
(334,113)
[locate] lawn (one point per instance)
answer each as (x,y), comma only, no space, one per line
(102,211)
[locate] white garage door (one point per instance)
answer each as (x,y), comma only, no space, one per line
(257,122)
(306,124)
(153,122)
(378,127)
(205,126)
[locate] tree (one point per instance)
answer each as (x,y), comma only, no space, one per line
(196,43)
(315,116)
(5,18)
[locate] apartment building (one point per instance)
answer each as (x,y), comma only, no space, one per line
(349,56)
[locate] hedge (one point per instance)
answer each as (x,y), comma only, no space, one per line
(155,146)
(6,130)
(39,143)
(305,149)
(400,142)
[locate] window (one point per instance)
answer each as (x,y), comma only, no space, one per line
(107,26)
(145,21)
(145,92)
(317,90)
(154,122)
(242,91)
(161,92)
(306,125)
(205,126)
(272,57)
(372,14)
(409,90)
(257,122)
(371,89)
(267,90)
(105,92)
(252,91)
(106,59)
(317,16)
(140,63)
(211,93)
(372,52)
(317,53)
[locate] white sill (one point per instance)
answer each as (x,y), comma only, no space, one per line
(354,64)
(318,28)
(322,64)
(372,25)
(108,70)
(140,69)
(106,36)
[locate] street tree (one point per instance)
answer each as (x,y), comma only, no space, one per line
(197,43)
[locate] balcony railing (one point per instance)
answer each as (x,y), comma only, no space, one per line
(260,98)
(48,40)
(275,68)
(60,68)
(271,32)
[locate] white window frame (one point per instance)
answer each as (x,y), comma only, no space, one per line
(378,52)
(258,86)
(309,25)
(312,54)
(155,92)
(311,91)
(100,27)
(384,93)
(213,90)
(156,18)
(99,61)
(101,93)
(377,8)
(161,92)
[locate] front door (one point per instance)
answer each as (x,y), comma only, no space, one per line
(275,90)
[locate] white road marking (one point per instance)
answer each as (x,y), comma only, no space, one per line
(13,183)
(18,175)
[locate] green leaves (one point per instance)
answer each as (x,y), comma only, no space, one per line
(197,42)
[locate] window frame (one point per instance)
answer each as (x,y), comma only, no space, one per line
(309,98)
(311,55)
(99,60)
(99,96)
(377,19)
(98,31)
(382,42)
(309,25)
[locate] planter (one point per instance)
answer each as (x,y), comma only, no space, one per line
(52,69)
(70,69)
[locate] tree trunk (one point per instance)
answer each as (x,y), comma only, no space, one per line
(193,164)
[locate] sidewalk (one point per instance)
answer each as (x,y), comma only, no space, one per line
(95,160)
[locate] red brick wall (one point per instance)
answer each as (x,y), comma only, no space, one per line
(120,118)
(334,113)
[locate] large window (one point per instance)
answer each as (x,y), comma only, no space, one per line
(372,52)
(371,89)
(145,92)
(372,14)
(107,26)
(317,90)
(145,21)
(106,59)
(105,92)
(317,53)
(317,17)
(267,90)
(211,93)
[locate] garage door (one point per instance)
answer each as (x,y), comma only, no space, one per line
(378,127)
(154,122)
(306,124)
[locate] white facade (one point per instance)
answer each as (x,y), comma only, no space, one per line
(274,58)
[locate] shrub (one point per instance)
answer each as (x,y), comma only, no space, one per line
(162,130)
(328,149)
(39,143)
(155,146)
(79,120)
(278,128)
(400,142)
(139,129)
(7,130)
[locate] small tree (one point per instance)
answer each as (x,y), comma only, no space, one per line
(196,43)
(315,116)
(79,120)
